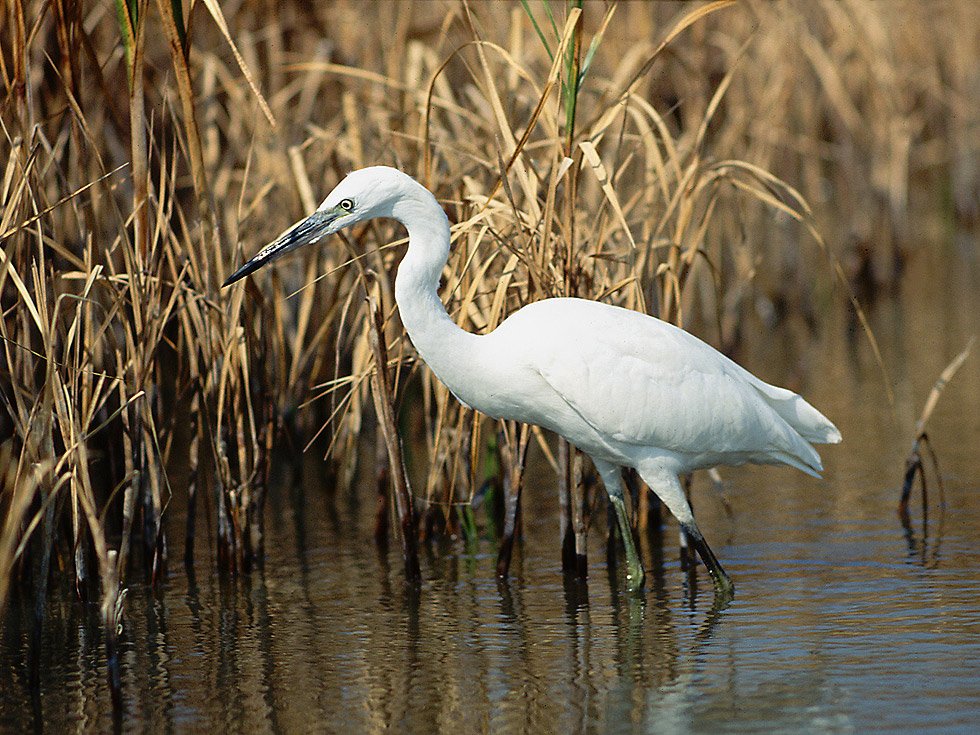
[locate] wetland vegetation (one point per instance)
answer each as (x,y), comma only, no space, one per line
(733,167)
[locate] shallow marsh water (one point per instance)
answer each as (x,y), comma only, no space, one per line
(843,620)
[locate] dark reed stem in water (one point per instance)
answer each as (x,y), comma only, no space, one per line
(384,406)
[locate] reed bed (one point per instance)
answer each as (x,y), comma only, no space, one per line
(673,158)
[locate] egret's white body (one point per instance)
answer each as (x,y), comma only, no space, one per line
(626,388)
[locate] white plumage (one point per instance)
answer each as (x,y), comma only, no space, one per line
(627,389)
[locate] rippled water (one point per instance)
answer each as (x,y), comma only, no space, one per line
(843,620)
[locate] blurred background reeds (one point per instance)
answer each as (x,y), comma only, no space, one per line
(727,166)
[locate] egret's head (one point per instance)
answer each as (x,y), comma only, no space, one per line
(362,195)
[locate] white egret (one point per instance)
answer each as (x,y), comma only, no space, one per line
(626,388)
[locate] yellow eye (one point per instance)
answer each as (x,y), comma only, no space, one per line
(347,204)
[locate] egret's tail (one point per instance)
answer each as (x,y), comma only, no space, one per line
(807,421)
(803,426)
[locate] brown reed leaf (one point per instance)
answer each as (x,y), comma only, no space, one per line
(595,162)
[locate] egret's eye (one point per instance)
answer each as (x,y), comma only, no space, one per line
(347,204)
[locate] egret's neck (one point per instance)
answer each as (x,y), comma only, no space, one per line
(439,341)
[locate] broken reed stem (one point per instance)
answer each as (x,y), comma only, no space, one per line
(914,465)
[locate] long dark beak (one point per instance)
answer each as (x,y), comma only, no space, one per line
(304,232)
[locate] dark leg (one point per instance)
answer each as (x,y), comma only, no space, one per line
(668,488)
(723,584)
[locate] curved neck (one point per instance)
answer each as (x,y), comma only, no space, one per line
(438,340)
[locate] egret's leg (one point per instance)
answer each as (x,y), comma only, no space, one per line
(613,481)
(668,488)
(634,567)
(723,583)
